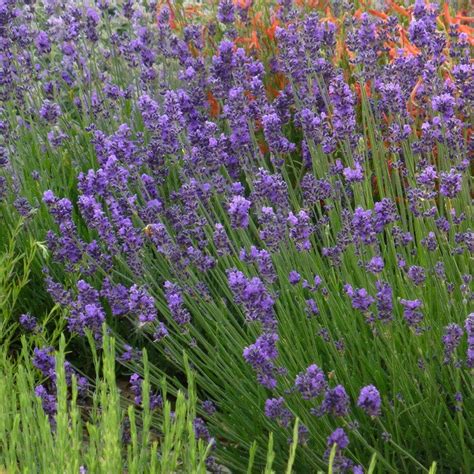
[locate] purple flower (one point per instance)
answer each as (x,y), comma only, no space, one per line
(92,20)
(391,97)
(427,177)
(385,212)
(174,298)
(469,327)
(300,230)
(411,314)
(271,187)
(384,301)
(272,227)
(225,11)
(338,437)
(272,131)
(209,407)
(200,429)
(317,281)
(253,295)
(275,410)
(42,42)
(294,277)
(117,297)
(311,307)
(361,300)
(336,401)
(48,400)
(450,184)
(369,400)
(56,137)
(263,260)
(354,175)
(43,360)
(239,212)
(443,224)
(86,312)
(401,238)
(315,190)
(160,332)
(362,224)
(303,435)
(430,242)
(141,304)
(136,388)
(451,339)
(376,265)
(149,110)
(417,275)
(50,111)
(221,240)
(136,382)
(311,383)
(261,355)
(343,101)
(444,104)
(313,124)
(28,322)
(129,353)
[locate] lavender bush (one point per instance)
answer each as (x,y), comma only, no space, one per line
(307,249)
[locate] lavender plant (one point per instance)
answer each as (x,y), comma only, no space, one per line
(308,253)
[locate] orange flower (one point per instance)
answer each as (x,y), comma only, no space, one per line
(406,44)
(192,10)
(329,16)
(272,29)
(244,4)
(399,9)
(466,19)
(251,42)
(263,147)
(310,3)
(413,96)
(446,13)
(213,105)
(378,14)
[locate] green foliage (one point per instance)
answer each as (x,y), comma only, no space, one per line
(91,435)
(15,268)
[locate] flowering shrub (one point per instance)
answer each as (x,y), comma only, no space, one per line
(289,210)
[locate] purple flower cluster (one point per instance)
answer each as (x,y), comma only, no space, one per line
(86,311)
(239,212)
(411,312)
(361,299)
(300,230)
(214,180)
(336,401)
(261,356)
(275,409)
(175,302)
(311,383)
(369,400)
(45,361)
(253,295)
(28,322)
(469,327)
(136,382)
(451,340)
